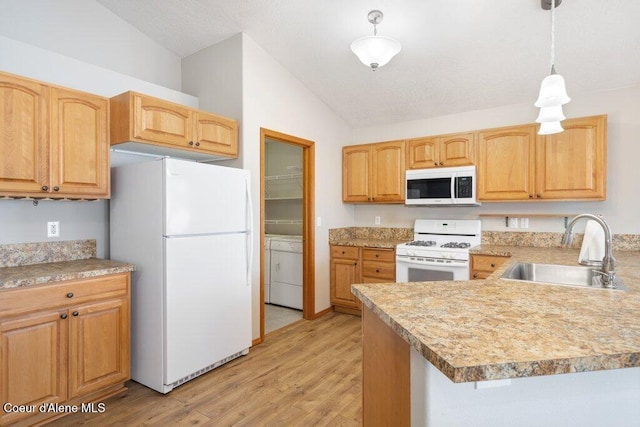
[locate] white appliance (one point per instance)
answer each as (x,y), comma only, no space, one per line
(449,186)
(267,267)
(439,251)
(286,271)
(187,228)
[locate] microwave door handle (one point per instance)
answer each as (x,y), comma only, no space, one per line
(453,187)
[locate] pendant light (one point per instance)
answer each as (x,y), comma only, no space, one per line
(553,93)
(375,51)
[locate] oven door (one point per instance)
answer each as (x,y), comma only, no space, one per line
(417,269)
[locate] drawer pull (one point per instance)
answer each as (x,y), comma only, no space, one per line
(63,316)
(377,271)
(197,144)
(377,255)
(56,188)
(475,275)
(70,295)
(492,265)
(45,188)
(190,142)
(75,313)
(343,252)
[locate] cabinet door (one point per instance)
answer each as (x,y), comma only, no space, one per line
(79,144)
(33,361)
(23,139)
(163,122)
(457,150)
(506,160)
(422,153)
(215,134)
(572,164)
(388,172)
(344,273)
(98,346)
(356,173)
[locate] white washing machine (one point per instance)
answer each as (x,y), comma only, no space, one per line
(286,271)
(267,267)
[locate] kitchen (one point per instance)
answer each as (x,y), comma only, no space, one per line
(73,63)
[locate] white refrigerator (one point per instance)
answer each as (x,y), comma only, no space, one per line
(187,228)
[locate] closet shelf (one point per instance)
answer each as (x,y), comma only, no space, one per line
(279,177)
(283,221)
(284,198)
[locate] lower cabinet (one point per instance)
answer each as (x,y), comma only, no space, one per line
(351,264)
(482,266)
(66,344)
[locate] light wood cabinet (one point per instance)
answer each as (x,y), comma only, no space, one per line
(515,163)
(351,264)
(66,343)
(439,151)
(159,124)
(506,163)
(54,142)
(374,173)
(572,164)
(482,266)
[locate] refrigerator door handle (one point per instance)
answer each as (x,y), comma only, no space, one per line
(249,232)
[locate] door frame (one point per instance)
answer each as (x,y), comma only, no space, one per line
(308,213)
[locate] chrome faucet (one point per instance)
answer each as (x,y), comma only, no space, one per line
(608,269)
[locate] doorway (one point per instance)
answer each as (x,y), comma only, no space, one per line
(287,268)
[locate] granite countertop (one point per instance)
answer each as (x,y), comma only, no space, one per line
(494,329)
(369,243)
(37,274)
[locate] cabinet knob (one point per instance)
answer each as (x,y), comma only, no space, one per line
(56,188)
(435,163)
(493,265)
(197,144)
(75,313)
(441,163)
(343,252)
(45,188)
(531,196)
(355,263)
(538,196)
(190,142)
(377,270)
(63,316)
(70,295)
(475,275)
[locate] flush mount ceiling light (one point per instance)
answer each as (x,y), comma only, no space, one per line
(553,93)
(375,51)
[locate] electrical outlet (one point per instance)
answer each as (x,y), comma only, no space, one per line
(318,221)
(376,220)
(512,223)
(53,229)
(524,222)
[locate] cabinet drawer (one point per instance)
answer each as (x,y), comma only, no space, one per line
(379,270)
(487,262)
(344,252)
(26,299)
(387,255)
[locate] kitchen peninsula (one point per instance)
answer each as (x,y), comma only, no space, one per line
(491,352)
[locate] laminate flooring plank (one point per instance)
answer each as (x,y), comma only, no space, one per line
(308,373)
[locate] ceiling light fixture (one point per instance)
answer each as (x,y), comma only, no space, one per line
(553,93)
(375,51)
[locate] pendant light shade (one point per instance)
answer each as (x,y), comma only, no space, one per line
(548,128)
(550,114)
(375,51)
(552,92)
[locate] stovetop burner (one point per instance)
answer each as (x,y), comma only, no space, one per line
(422,243)
(458,245)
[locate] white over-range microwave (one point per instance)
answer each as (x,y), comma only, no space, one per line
(449,186)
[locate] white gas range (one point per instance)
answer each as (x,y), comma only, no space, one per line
(439,251)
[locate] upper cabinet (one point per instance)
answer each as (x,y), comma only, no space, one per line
(159,124)
(515,163)
(374,172)
(441,151)
(54,142)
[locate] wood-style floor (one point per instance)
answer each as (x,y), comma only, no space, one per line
(307,374)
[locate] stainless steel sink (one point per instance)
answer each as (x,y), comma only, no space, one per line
(553,274)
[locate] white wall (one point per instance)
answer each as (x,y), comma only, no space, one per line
(621,207)
(272,98)
(20,220)
(85,30)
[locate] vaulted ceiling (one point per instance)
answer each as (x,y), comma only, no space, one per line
(457,55)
